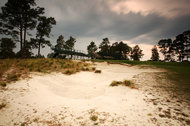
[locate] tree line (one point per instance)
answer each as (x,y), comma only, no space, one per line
(179,47)
(117,51)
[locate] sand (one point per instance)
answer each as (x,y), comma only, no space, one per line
(73,100)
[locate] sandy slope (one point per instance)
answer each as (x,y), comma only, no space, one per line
(58,99)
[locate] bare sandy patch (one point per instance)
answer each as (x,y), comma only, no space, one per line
(84,98)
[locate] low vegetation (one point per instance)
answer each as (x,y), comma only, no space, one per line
(3,84)
(97,71)
(2,105)
(94,117)
(13,69)
(124,83)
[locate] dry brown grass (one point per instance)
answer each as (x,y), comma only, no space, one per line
(14,69)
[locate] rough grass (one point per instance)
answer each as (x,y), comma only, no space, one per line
(127,83)
(22,67)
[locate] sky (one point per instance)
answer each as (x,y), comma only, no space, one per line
(142,22)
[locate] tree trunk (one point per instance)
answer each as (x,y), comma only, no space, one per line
(21,43)
(39,50)
(24,36)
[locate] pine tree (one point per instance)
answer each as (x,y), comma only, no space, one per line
(155,54)
(92,49)
(136,53)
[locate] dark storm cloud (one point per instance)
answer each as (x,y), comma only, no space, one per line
(84,18)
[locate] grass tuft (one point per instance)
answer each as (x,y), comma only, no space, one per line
(69,71)
(13,77)
(127,83)
(3,84)
(115,83)
(2,105)
(93,118)
(97,71)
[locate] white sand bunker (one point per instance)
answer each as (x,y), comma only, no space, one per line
(84,98)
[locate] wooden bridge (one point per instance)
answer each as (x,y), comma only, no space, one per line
(73,54)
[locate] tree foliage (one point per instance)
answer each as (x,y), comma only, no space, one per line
(155,54)
(60,43)
(136,53)
(43,30)
(104,47)
(92,49)
(70,43)
(166,48)
(120,50)
(6,48)
(181,45)
(18,17)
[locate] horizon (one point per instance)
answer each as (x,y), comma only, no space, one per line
(131,21)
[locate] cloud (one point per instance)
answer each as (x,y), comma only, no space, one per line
(166,8)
